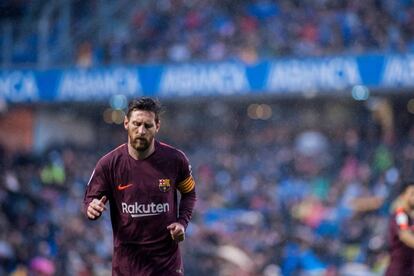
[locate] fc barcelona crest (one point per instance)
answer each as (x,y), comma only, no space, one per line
(164,185)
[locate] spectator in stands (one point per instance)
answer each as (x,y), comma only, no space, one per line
(177,31)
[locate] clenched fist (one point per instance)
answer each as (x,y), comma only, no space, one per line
(96,207)
(177,231)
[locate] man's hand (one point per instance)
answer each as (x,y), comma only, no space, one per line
(96,207)
(177,231)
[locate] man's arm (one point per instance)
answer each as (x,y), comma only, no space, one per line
(187,202)
(186,207)
(96,193)
(186,187)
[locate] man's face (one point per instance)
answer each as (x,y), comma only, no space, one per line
(141,127)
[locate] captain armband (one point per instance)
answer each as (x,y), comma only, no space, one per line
(186,185)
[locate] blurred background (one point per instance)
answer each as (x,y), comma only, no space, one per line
(297,118)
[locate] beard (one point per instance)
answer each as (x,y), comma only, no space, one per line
(140,144)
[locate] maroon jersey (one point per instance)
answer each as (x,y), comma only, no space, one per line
(143,202)
(401,256)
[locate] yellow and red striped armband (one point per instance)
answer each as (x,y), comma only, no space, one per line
(186,185)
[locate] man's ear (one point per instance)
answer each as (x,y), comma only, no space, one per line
(126,123)
(158,125)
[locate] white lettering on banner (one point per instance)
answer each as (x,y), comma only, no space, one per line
(295,75)
(81,85)
(144,210)
(18,86)
(188,80)
(399,71)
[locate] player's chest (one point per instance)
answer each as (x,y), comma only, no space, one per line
(147,180)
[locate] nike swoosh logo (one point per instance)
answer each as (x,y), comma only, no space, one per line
(123,187)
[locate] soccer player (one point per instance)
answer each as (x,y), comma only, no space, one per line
(401,234)
(140,179)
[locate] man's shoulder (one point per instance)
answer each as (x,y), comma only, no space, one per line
(114,154)
(171,151)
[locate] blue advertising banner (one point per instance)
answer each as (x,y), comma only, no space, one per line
(398,72)
(98,84)
(19,86)
(204,79)
(313,74)
(281,76)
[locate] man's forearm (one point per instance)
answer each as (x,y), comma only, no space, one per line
(186,207)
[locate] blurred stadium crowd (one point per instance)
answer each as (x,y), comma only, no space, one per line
(125,32)
(296,193)
(293,193)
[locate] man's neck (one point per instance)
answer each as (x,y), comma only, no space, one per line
(139,155)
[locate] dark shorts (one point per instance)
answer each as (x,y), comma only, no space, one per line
(143,261)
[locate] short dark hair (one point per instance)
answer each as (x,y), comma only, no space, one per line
(146,104)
